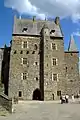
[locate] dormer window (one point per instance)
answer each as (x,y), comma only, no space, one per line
(52,31)
(53,46)
(25,29)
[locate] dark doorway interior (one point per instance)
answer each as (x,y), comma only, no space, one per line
(37,94)
(53,96)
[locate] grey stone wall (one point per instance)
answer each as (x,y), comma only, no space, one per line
(16,84)
(50,86)
(40,64)
(6,102)
(72,72)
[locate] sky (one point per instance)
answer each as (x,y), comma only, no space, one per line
(69,13)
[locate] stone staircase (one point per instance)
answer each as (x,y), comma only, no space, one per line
(3,111)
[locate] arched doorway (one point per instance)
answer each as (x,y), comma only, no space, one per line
(37,94)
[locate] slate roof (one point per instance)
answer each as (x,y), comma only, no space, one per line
(34,27)
(72,45)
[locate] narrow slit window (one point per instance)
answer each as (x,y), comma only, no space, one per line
(20,94)
(35,47)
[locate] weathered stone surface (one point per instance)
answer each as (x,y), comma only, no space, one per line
(39,75)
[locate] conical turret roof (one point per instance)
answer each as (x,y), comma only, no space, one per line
(72,45)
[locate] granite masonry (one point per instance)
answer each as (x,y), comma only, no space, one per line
(37,66)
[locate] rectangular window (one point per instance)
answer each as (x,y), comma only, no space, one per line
(58,93)
(24,76)
(24,44)
(20,94)
(54,77)
(54,46)
(24,61)
(54,62)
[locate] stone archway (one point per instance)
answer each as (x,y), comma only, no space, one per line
(36,94)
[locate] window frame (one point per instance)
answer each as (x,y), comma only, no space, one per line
(20,91)
(24,44)
(53,77)
(59,93)
(54,61)
(24,76)
(53,46)
(24,61)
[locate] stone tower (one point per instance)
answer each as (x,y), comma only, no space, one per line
(72,68)
(38,61)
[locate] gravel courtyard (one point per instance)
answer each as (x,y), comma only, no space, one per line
(44,111)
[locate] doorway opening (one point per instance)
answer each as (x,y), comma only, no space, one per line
(37,94)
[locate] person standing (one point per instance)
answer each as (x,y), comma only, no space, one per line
(72,97)
(66,98)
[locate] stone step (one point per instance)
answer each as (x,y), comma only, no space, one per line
(3,111)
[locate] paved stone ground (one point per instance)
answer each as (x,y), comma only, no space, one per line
(44,111)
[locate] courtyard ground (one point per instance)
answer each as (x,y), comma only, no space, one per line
(37,110)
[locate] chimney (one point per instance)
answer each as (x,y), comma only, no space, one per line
(57,21)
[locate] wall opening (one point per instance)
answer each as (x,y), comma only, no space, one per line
(53,96)
(36,94)
(20,94)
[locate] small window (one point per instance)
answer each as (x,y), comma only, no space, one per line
(20,93)
(54,77)
(71,68)
(52,31)
(35,47)
(21,52)
(15,52)
(36,78)
(25,44)
(71,81)
(36,63)
(25,29)
(54,61)
(66,69)
(24,61)
(54,47)
(58,93)
(33,52)
(24,76)
(47,65)
(27,52)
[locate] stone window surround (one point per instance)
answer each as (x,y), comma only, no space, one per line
(53,76)
(54,61)
(20,93)
(25,44)
(36,63)
(36,78)
(59,93)
(24,29)
(24,76)
(21,52)
(24,61)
